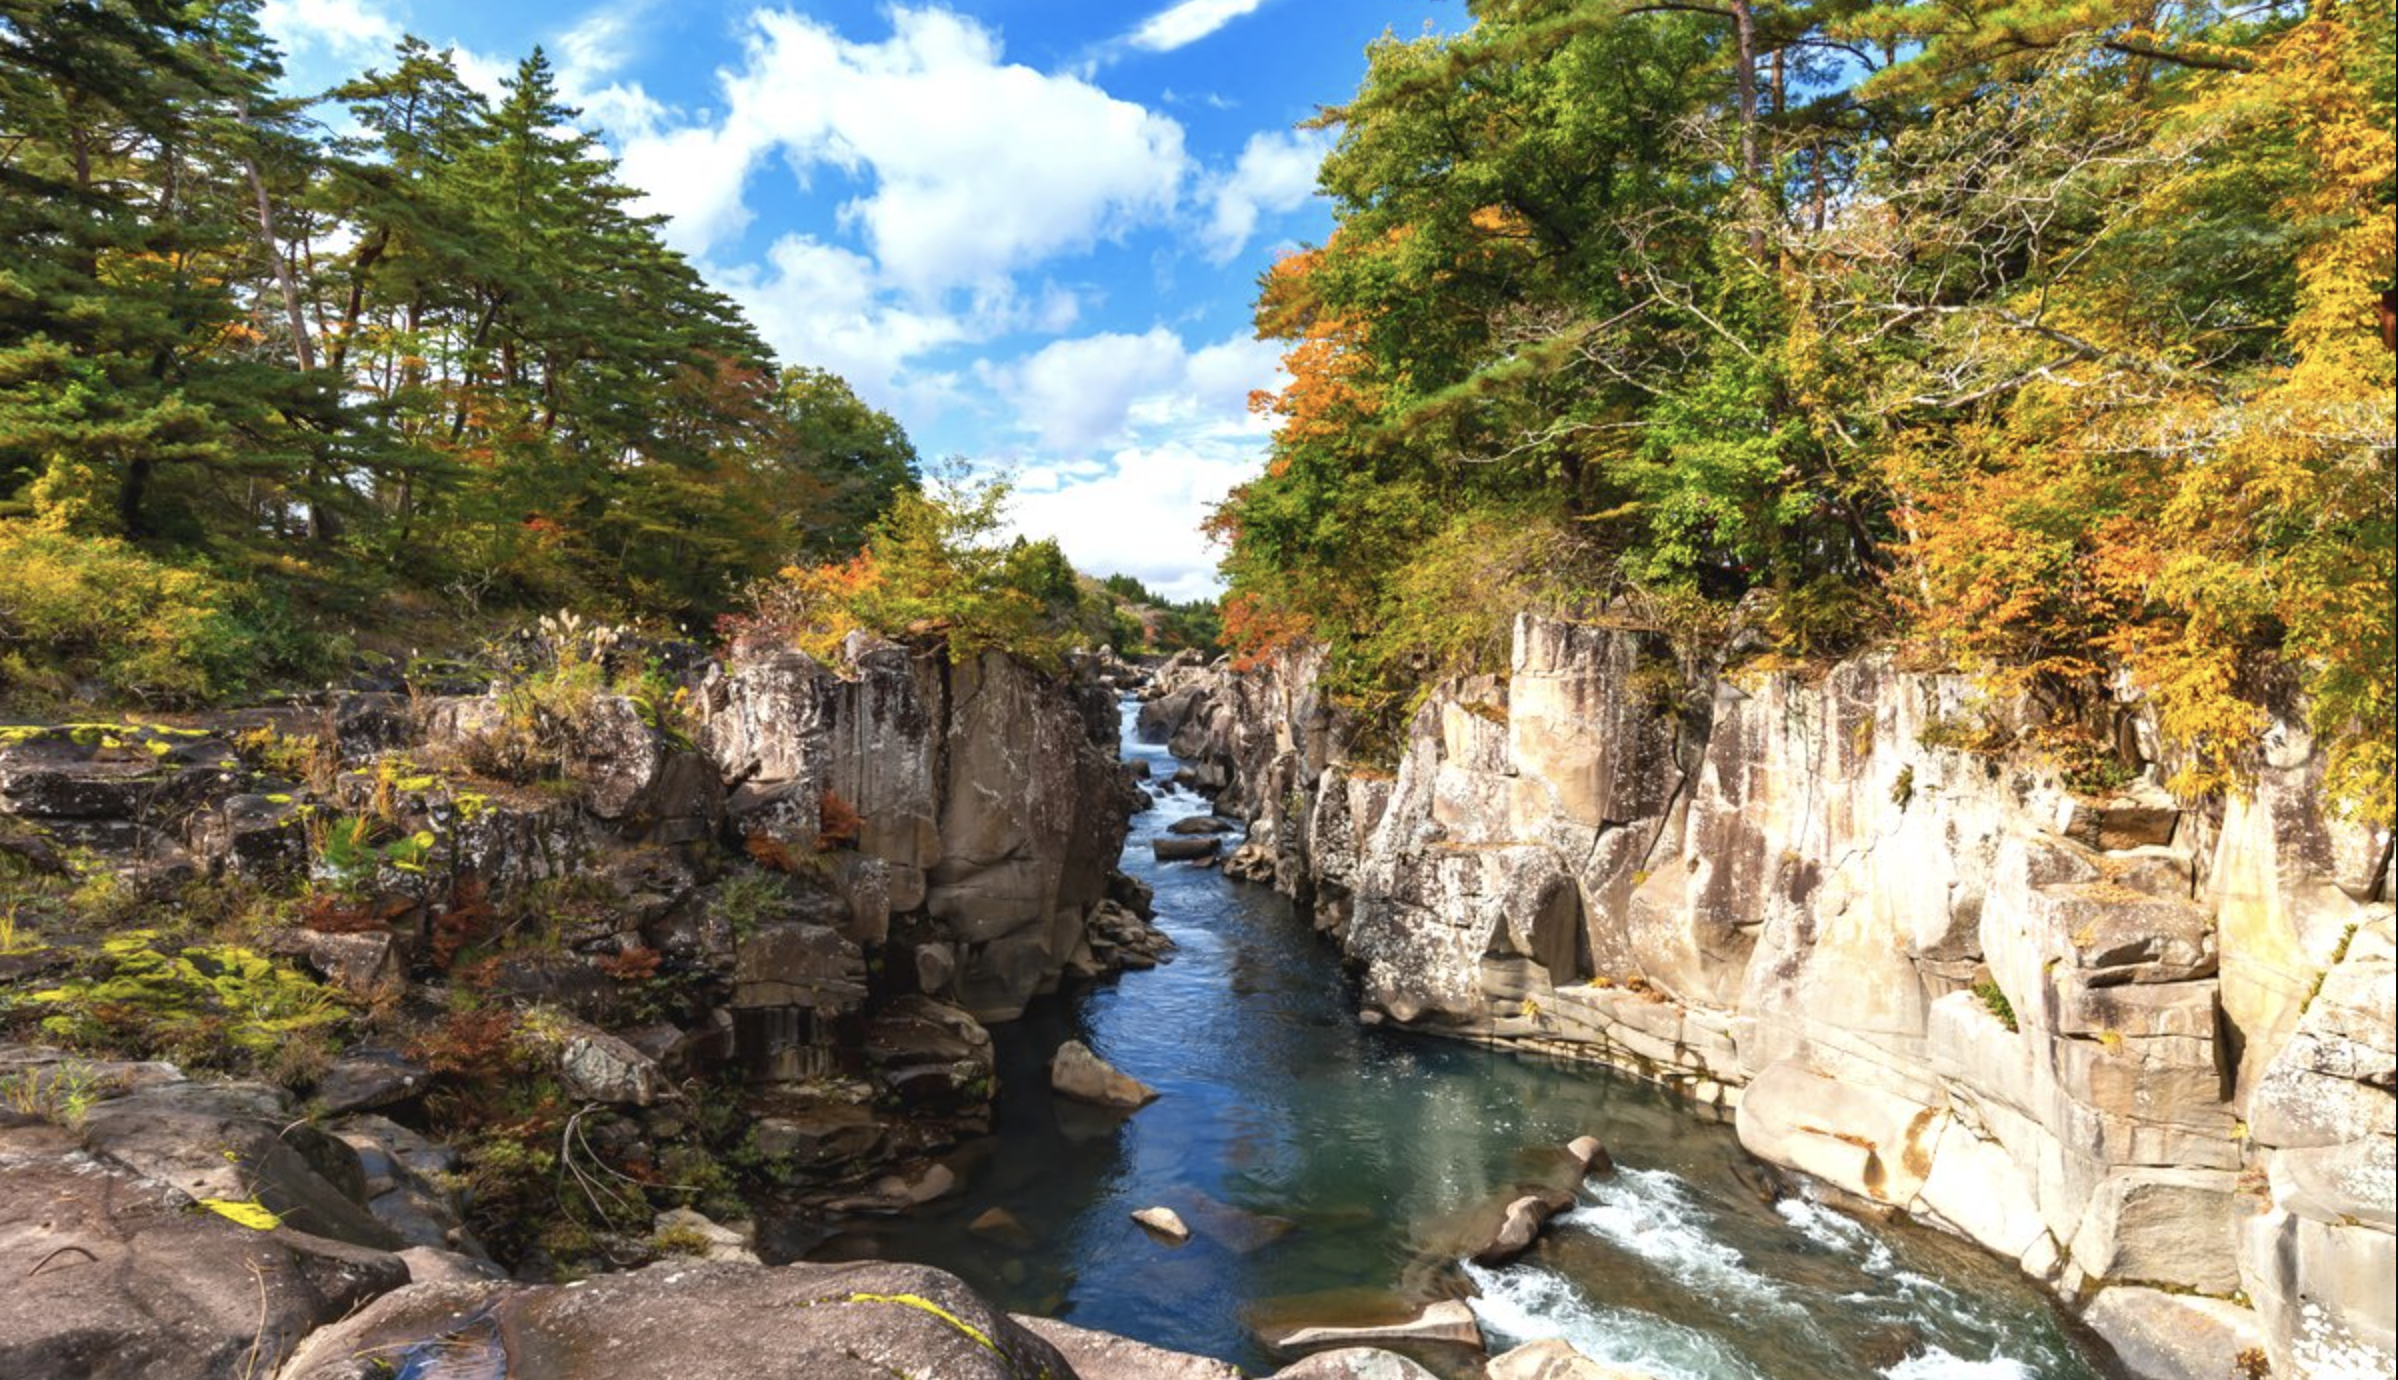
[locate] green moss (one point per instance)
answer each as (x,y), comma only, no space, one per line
(207,1004)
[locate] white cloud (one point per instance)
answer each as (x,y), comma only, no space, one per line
(1174,426)
(820,304)
(324,41)
(1276,172)
(971,167)
(591,53)
(1075,396)
(1141,516)
(1180,25)
(597,45)
(694,176)
(482,72)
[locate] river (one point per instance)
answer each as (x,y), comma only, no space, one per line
(1324,1166)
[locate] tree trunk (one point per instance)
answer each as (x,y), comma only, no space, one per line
(1744,85)
(369,251)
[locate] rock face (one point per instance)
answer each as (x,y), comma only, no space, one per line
(115,1273)
(990,808)
(824,878)
(2124,1040)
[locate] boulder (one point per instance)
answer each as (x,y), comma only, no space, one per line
(366,965)
(363,1080)
(1354,1363)
(411,1183)
(256,836)
(931,1056)
(431,1265)
(1078,1073)
(1555,1359)
(1202,825)
(240,1142)
(1520,1225)
(2173,1227)
(1104,1356)
(683,1232)
(116,1276)
(1182,849)
(1589,1155)
(818,1136)
(1858,1139)
(794,964)
(688,1320)
(1447,1323)
(594,1066)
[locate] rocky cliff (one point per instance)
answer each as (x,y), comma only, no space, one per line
(2142,1046)
(799,891)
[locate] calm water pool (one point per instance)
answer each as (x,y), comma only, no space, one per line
(1324,1167)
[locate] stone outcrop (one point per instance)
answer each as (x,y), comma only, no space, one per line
(990,810)
(2124,1040)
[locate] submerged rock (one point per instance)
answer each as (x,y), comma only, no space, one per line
(1165,1222)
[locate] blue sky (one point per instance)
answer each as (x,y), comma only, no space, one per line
(1029,229)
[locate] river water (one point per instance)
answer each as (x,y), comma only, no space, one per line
(1324,1167)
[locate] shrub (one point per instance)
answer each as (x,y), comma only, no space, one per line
(1994,999)
(73,607)
(838,823)
(937,564)
(747,898)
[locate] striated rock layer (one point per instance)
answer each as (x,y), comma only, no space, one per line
(2123,1040)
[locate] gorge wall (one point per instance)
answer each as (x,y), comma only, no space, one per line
(805,893)
(2142,1047)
